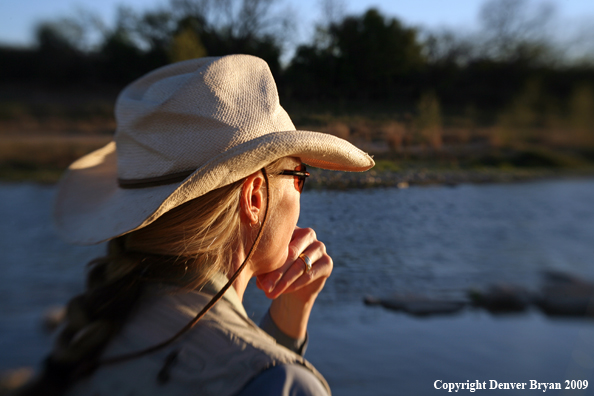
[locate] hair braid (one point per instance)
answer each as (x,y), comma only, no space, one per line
(92,319)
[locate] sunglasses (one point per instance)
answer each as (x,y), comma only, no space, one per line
(300,175)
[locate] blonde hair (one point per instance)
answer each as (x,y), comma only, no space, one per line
(186,246)
(200,234)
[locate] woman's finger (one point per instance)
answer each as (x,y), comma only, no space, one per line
(293,269)
(297,272)
(297,268)
(301,239)
(322,269)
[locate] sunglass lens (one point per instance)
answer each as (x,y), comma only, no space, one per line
(300,180)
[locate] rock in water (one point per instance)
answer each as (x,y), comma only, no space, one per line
(566,295)
(502,298)
(417,305)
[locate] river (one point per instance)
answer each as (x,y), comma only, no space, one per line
(435,240)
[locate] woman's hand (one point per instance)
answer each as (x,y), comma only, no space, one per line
(292,277)
(294,290)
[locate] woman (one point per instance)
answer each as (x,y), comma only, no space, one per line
(198,193)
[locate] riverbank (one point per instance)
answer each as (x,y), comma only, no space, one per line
(43,130)
(322,179)
(43,159)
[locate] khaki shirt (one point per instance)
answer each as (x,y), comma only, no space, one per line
(221,355)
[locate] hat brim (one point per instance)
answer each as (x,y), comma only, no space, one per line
(91,207)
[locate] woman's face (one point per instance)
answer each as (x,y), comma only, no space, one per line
(272,251)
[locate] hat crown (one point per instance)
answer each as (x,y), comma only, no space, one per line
(179,117)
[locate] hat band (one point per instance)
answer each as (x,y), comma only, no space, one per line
(154,181)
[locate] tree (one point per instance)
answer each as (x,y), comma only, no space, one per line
(515,31)
(367,57)
(256,27)
(57,46)
(186,44)
(120,55)
(446,47)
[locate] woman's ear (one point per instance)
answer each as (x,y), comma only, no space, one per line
(252,200)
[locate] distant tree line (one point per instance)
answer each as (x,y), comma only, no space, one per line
(367,58)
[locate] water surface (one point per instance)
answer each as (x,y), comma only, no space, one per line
(429,240)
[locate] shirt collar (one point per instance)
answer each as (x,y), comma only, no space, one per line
(218,281)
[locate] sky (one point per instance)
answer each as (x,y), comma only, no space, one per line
(18,17)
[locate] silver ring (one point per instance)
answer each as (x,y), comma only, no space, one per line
(307,261)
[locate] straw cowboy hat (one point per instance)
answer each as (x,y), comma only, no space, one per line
(184,130)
